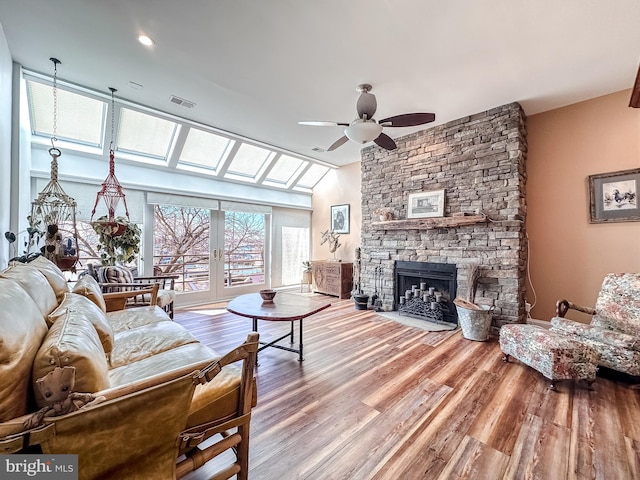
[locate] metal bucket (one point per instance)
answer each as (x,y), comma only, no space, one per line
(475,324)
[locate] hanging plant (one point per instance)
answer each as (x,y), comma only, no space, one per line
(119,244)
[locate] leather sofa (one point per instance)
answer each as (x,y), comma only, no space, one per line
(164,392)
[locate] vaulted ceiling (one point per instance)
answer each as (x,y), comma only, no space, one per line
(256,68)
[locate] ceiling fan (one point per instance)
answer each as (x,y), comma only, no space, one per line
(366,129)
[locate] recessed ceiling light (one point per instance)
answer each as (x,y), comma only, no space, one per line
(145,40)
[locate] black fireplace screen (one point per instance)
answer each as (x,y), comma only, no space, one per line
(439,276)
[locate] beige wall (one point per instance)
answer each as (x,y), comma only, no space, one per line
(337,188)
(570,256)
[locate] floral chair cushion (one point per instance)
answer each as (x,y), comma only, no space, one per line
(618,304)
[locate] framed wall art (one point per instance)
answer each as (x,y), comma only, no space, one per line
(340,218)
(426,204)
(614,196)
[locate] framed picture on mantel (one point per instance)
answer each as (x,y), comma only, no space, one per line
(614,196)
(426,204)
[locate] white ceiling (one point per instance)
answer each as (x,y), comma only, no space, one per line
(257,67)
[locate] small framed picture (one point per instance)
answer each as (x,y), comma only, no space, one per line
(426,204)
(340,218)
(614,196)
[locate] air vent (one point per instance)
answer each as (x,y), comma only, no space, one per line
(318,149)
(182,102)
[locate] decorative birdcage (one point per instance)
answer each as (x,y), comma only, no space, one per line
(53,212)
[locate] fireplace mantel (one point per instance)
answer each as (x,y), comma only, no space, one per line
(428,223)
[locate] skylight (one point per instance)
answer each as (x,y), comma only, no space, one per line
(312,176)
(285,168)
(204,149)
(249,160)
(144,134)
(79,118)
(147,136)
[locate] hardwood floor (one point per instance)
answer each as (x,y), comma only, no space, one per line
(378,400)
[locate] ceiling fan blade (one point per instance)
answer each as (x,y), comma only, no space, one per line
(366,105)
(408,120)
(635,93)
(385,141)
(341,141)
(324,124)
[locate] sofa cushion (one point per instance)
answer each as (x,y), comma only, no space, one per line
(135,317)
(81,305)
(22,329)
(194,355)
(142,342)
(54,275)
(88,286)
(35,284)
(73,341)
(115,274)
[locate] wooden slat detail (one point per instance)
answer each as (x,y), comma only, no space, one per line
(375,399)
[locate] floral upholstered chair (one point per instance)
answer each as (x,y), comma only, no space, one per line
(614,331)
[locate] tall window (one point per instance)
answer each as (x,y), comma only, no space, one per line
(295,250)
(181,245)
(244,240)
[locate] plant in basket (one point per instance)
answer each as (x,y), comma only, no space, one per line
(119,240)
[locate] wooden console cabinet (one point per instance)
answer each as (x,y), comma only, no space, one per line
(332,278)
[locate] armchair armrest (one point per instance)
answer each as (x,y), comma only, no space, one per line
(116,299)
(563,306)
(167,282)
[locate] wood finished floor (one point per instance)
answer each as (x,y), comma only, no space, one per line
(378,400)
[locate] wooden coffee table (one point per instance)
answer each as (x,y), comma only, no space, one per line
(284,308)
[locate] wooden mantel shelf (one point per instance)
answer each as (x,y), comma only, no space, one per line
(427,223)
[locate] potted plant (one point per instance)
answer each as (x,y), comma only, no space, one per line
(119,245)
(385,213)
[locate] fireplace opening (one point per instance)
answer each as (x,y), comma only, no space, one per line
(439,276)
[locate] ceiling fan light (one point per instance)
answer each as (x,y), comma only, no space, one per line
(363,131)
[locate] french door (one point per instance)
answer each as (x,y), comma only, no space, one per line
(216,254)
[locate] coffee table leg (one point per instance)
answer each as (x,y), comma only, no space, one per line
(255,329)
(300,358)
(291,335)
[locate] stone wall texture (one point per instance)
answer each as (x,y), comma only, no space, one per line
(480,162)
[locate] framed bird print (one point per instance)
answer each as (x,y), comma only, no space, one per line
(614,196)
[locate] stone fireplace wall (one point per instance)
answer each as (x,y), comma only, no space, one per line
(480,162)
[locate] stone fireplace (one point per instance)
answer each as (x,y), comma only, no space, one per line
(479,161)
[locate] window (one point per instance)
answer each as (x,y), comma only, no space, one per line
(181,245)
(144,134)
(204,149)
(295,250)
(148,136)
(80,118)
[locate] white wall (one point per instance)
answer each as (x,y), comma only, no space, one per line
(5,145)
